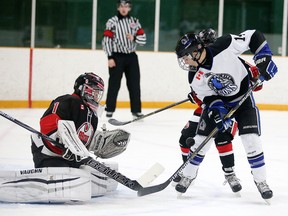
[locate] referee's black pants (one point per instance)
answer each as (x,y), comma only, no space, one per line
(129,65)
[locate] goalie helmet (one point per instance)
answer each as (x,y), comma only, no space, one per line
(189,45)
(90,88)
(208,36)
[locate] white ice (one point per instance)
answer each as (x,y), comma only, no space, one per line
(155,139)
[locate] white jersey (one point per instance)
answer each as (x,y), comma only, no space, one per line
(223,75)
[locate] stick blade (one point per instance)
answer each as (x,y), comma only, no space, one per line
(152,189)
(115,122)
(151,174)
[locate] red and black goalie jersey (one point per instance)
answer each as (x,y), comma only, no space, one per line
(67,107)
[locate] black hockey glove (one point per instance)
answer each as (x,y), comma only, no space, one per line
(264,63)
(193,98)
(217,112)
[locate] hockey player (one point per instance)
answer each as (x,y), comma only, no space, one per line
(59,174)
(220,82)
(225,149)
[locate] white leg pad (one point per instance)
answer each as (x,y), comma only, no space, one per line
(100,183)
(45,185)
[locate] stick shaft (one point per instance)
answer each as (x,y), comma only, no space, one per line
(119,123)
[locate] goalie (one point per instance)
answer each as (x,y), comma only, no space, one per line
(61,176)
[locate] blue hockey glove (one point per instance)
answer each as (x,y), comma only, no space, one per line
(217,112)
(265,64)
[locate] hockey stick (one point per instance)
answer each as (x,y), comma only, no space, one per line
(156,188)
(120,123)
(132,184)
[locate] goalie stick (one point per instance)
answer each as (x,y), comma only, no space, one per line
(149,175)
(156,188)
(115,122)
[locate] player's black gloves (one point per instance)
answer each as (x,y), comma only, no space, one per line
(193,98)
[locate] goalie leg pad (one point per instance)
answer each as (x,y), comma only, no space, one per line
(107,144)
(45,185)
(100,183)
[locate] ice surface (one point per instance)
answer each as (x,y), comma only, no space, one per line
(155,139)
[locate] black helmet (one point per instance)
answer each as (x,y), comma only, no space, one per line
(90,88)
(208,36)
(124,2)
(186,45)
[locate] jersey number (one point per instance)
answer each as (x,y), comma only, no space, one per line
(241,37)
(55,107)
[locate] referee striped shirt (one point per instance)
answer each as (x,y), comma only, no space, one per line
(115,40)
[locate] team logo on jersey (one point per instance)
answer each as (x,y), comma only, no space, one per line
(202,125)
(85,132)
(222,84)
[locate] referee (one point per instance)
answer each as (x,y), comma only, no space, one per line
(122,35)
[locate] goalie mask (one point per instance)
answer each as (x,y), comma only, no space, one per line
(90,88)
(190,45)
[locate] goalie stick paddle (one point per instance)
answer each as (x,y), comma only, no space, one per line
(156,188)
(151,174)
(115,122)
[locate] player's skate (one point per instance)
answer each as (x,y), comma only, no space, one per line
(183,184)
(233,182)
(264,190)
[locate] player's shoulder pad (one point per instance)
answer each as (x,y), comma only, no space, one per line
(220,44)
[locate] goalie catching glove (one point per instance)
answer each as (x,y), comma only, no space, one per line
(107,144)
